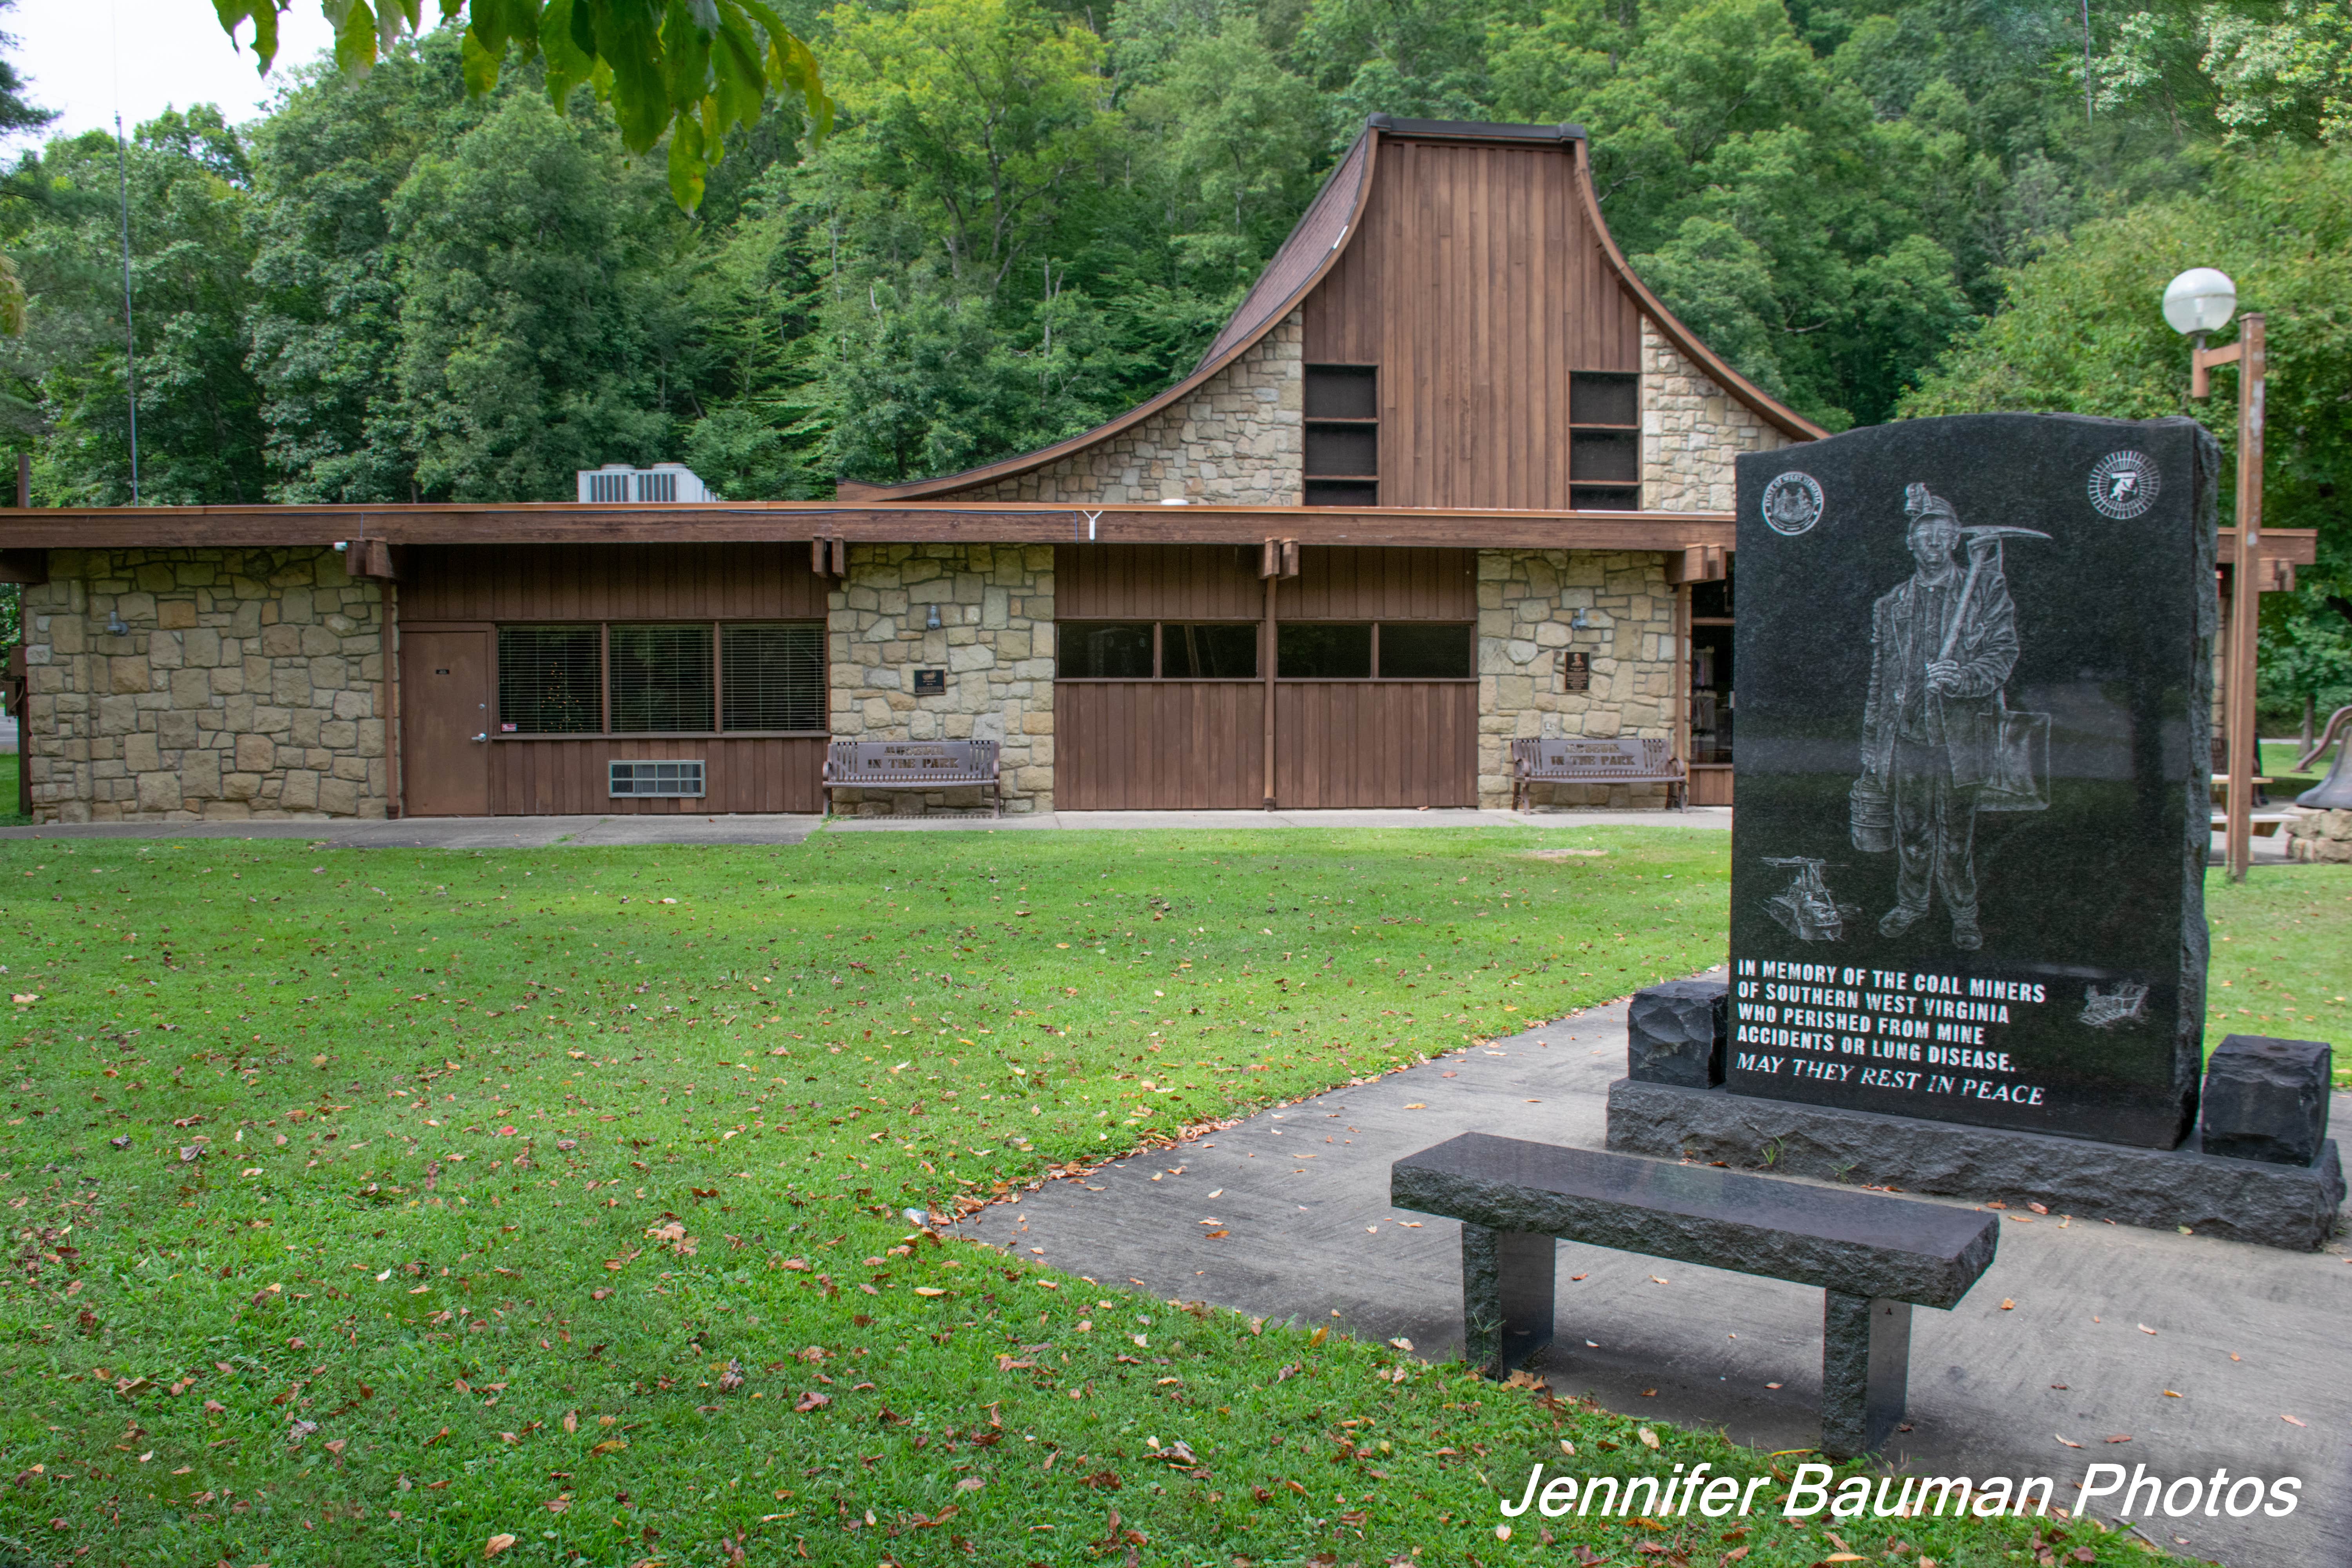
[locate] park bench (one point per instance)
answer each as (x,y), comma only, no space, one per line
(1625,759)
(1873,1258)
(912,765)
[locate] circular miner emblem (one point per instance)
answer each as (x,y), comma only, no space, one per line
(1792,503)
(2123,485)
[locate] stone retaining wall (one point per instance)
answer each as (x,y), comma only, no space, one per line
(1527,600)
(244,685)
(995,640)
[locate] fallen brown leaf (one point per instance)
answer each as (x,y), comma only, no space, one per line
(497,1544)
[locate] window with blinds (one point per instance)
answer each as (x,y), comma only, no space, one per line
(672,678)
(661,679)
(772,677)
(551,681)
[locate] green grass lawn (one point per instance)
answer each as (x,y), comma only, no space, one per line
(2282,959)
(372,1206)
(9,815)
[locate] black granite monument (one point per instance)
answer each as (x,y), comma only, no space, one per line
(1969,858)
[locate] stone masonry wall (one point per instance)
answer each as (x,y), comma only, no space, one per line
(243,686)
(1237,440)
(995,640)
(1527,600)
(1691,431)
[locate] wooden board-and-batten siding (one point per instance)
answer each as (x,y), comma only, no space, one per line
(1477,286)
(481,587)
(1157,746)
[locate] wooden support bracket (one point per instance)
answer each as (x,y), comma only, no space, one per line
(1698,563)
(1278,558)
(371,560)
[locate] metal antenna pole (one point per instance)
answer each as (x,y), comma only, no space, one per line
(130,334)
(2087,61)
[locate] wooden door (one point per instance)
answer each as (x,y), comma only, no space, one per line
(445,723)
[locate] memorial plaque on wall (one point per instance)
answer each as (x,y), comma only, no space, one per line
(1969,855)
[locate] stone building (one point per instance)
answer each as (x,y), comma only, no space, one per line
(1449,478)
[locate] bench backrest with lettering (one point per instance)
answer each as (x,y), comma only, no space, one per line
(910,761)
(1623,757)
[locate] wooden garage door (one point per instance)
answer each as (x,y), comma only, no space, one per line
(1159,745)
(1354,744)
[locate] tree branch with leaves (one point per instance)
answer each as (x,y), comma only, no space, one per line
(688,70)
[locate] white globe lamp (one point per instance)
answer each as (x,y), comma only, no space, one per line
(2199,300)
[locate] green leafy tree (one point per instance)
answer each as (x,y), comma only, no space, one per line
(534,339)
(692,70)
(200,427)
(2081,333)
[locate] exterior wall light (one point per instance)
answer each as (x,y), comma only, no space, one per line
(931,620)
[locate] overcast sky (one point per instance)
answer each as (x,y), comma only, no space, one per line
(88,58)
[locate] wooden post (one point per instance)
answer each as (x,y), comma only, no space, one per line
(2245,602)
(2244,754)
(1682,655)
(1272,551)
(387,697)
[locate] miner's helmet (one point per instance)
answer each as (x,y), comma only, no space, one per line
(1923,510)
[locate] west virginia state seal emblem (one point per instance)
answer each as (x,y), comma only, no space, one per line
(1792,503)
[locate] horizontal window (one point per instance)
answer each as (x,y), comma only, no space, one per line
(1420,650)
(1192,651)
(1315,651)
(1104,650)
(1169,650)
(661,678)
(1390,650)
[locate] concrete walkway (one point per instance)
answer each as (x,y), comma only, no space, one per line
(461,832)
(2245,1336)
(606,832)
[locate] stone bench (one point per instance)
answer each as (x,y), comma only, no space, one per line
(1626,759)
(912,765)
(1873,1258)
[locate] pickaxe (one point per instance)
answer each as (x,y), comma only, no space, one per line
(1975,568)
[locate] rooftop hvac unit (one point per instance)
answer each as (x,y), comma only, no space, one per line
(668,484)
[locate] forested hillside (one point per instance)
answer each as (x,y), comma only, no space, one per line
(1029,217)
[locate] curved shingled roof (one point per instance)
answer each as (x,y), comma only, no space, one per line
(1317,242)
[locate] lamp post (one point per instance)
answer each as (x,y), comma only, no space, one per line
(2201,300)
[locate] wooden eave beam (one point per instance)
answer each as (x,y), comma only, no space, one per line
(914,523)
(769,522)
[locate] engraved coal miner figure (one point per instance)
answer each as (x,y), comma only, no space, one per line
(1942,646)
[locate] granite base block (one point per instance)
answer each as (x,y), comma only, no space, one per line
(2266,1100)
(1674,1032)
(2291,1206)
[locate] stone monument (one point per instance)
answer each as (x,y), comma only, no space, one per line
(1968,933)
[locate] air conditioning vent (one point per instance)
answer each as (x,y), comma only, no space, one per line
(664,484)
(636,779)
